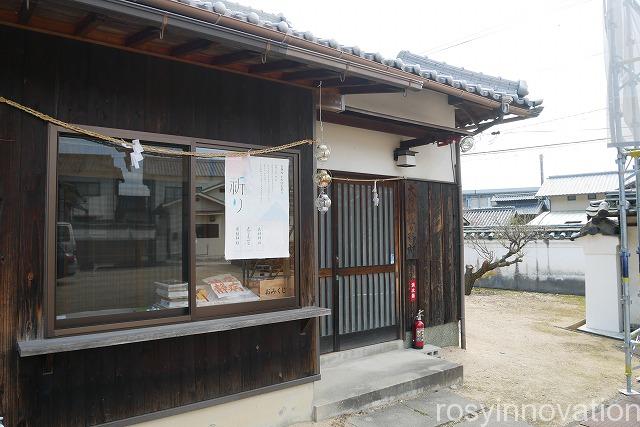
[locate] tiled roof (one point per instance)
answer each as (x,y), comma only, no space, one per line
(497,84)
(493,88)
(560,218)
(483,217)
(534,208)
(608,207)
(514,197)
(88,165)
(585,183)
(492,191)
(166,166)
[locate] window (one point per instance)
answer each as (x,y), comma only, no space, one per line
(147,246)
(592,196)
(571,197)
(115,257)
(220,282)
(207,231)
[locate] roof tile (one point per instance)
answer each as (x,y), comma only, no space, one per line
(585,183)
(488,86)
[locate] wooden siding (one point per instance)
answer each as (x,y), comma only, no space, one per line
(99,86)
(431,242)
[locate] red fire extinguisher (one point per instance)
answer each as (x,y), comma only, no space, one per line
(418,331)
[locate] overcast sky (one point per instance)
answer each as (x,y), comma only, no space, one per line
(555,45)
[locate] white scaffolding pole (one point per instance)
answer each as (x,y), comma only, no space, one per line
(622,77)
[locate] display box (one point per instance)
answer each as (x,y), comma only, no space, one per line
(271,288)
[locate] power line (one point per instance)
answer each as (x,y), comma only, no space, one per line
(531,147)
(490,31)
(558,118)
(508,132)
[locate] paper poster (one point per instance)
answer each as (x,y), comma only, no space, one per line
(256,208)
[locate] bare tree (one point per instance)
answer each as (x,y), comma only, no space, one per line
(513,237)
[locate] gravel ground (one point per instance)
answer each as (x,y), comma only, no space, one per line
(518,353)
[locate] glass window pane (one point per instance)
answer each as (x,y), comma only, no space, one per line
(219,281)
(120,232)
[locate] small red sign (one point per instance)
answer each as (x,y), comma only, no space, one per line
(413,292)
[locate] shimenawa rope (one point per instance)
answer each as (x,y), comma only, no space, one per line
(150,148)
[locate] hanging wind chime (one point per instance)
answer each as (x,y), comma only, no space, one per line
(322,179)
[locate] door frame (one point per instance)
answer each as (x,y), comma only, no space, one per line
(337,342)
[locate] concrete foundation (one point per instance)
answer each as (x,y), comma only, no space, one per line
(365,382)
(275,409)
(447,335)
(330,360)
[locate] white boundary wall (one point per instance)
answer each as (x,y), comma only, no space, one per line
(553,266)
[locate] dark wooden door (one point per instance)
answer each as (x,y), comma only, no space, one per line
(358,266)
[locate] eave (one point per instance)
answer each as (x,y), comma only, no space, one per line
(179,32)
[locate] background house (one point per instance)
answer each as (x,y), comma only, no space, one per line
(571,193)
(557,262)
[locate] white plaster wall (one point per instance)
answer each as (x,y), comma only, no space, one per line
(424,106)
(278,408)
(546,264)
(602,289)
(560,203)
(365,151)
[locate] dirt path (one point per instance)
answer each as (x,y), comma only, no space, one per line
(519,354)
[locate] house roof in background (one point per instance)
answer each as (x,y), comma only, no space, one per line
(533,208)
(483,217)
(515,197)
(88,165)
(584,183)
(490,191)
(168,166)
(571,219)
(494,88)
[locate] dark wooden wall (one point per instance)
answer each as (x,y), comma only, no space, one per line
(432,256)
(93,85)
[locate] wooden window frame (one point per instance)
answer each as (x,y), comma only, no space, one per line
(168,316)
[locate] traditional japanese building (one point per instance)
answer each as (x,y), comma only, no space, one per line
(121,300)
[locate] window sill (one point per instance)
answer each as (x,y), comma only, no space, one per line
(108,339)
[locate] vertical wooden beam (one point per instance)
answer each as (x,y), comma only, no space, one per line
(11,83)
(436,258)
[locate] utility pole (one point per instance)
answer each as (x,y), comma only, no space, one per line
(541,168)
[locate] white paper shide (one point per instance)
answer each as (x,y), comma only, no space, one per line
(256,208)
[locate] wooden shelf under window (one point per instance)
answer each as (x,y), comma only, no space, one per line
(107,339)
